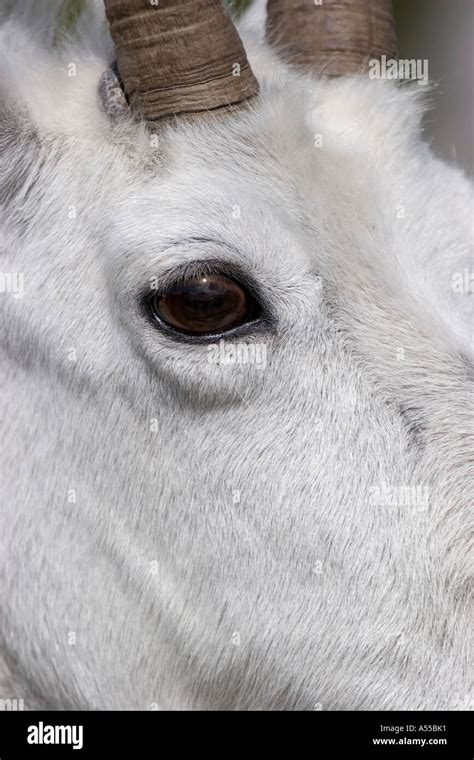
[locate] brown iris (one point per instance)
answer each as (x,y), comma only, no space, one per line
(205,305)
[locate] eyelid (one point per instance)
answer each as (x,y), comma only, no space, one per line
(176,275)
(199,268)
(197,255)
(261,325)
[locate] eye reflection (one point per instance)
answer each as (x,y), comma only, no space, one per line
(205,305)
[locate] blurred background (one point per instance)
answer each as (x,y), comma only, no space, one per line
(443,32)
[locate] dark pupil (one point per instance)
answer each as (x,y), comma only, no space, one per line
(206,304)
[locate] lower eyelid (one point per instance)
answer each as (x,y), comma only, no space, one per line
(259,325)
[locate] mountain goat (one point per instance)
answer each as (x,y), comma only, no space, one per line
(236,367)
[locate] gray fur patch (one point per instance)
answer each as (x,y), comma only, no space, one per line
(111,94)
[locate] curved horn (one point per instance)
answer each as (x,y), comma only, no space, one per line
(178,57)
(334,37)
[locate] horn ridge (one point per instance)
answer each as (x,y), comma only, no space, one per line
(179,57)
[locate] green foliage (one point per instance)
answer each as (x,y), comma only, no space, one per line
(68,18)
(71,13)
(238,6)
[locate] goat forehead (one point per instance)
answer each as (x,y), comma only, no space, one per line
(241,202)
(270,138)
(180,220)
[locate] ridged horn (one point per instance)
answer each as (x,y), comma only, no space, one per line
(177,57)
(333,37)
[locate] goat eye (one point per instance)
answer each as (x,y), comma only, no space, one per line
(205,305)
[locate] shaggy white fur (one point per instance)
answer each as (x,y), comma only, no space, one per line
(186,535)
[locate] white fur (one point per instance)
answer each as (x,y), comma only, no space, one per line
(305,593)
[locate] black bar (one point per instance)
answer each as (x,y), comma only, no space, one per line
(162,734)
